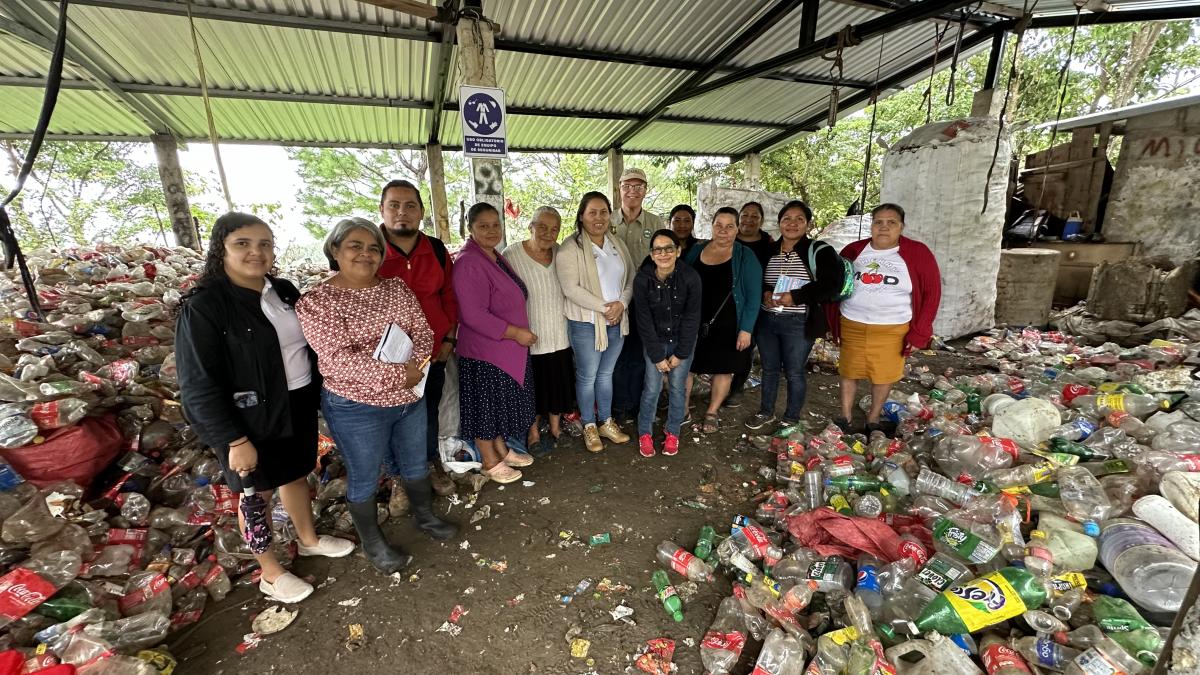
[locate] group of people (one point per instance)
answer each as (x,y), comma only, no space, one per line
(624,306)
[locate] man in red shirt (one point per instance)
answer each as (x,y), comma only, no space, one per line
(422,263)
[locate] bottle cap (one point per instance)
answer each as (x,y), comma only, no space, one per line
(1091,528)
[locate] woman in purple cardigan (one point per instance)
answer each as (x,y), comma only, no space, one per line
(495,375)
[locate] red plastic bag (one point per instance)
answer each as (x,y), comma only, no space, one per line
(76,453)
(830,533)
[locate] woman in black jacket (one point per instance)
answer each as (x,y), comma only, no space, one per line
(666,294)
(249,384)
(791,316)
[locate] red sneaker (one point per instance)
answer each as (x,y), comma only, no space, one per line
(646,445)
(671,445)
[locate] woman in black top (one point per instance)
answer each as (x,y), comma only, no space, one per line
(249,384)
(791,316)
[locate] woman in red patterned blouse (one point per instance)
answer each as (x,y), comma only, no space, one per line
(370,405)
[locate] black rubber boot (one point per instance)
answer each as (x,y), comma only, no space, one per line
(385,557)
(420,497)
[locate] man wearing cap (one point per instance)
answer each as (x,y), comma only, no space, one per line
(633,225)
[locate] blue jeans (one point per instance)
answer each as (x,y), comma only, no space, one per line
(368,435)
(594,370)
(677,392)
(783,349)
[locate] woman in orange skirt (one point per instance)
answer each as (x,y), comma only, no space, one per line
(897,290)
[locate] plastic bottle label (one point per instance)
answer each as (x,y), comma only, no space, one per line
(759,543)
(1095,662)
(733,641)
(1111,401)
(937,575)
(1193,461)
(158,584)
(1064,582)
(868,578)
(1000,656)
(667,593)
(985,601)
(1047,652)
(967,544)
(910,548)
(844,636)
(680,560)
(126,536)
(22,590)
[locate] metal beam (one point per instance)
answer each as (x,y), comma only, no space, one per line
(734,47)
(862,32)
(444,50)
(376,30)
(813,122)
(101,138)
(995,56)
(808,22)
(1189,10)
(977,20)
(326,99)
(28,31)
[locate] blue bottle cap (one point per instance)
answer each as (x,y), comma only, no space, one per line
(1091,528)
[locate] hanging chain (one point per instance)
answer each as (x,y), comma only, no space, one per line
(845,38)
(927,97)
(1064,76)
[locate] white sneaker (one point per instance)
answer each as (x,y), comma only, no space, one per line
(330,547)
(288,588)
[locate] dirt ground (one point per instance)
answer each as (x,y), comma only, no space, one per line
(515,620)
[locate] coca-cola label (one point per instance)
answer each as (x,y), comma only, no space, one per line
(126,536)
(680,560)
(45,414)
(158,584)
(22,590)
(179,619)
(189,580)
(1193,461)
(757,539)
(999,656)
(225,500)
(914,550)
(733,641)
(216,569)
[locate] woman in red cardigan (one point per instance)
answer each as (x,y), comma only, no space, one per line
(897,290)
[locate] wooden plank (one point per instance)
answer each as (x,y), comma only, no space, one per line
(1096,187)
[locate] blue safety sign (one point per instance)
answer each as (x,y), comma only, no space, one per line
(483,122)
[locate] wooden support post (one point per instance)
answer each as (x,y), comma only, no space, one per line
(174,190)
(437,192)
(477,66)
(616,166)
(1091,219)
(752,179)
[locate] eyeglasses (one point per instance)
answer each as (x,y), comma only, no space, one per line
(662,250)
(633,187)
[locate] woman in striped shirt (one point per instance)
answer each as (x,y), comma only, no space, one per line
(790,318)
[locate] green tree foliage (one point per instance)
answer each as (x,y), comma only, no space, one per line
(82,193)
(341,182)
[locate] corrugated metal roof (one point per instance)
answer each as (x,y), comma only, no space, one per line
(78,112)
(384,82)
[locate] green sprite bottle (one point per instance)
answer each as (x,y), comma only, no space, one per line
(856,483)
(983,602)
(667,595)
(704,543)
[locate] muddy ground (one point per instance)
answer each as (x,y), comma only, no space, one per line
(516,621)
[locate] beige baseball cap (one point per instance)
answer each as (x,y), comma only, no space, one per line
(634,174)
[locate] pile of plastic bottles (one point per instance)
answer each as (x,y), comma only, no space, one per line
(109,543)
(1044,516)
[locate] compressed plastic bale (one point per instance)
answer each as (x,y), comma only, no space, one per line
(939,174)
(1028,421)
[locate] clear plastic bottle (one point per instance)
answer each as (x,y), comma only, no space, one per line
(214,579)
(999,658)
(134,507)
(1106,657)
(1132,426)
(1082,637)
(723,642)
(1137,405)
(133,632)
(781,654)
(866,588)
(1044,652)
(1084,498)
(1149,568)
(33,582)
(1075,430)
(682,562)
(929,482)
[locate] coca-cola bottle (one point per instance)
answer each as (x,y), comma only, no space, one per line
(723,643)
(33,582)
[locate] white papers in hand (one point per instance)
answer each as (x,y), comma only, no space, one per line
(395,346)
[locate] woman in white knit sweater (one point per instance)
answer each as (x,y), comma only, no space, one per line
(553,366)
(596,274)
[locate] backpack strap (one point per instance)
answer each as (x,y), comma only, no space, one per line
(439,250)
(812,257)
